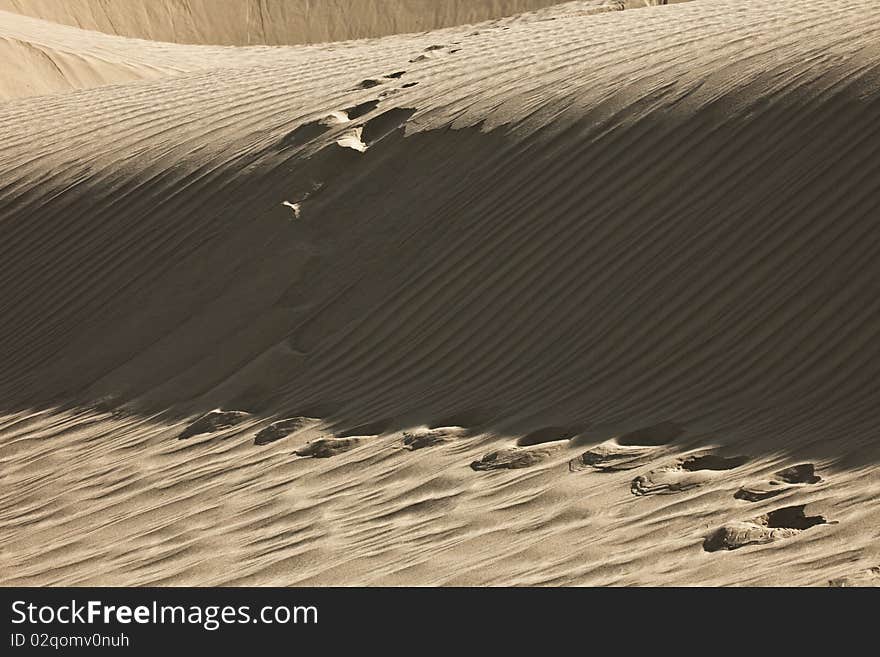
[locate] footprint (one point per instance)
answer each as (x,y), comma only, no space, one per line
(305,133)
(313,129)
(362,137)
(545,435)
(358,111)
(369,83)
(512,458)
(777,525)
(324,448)
(685,474)
(784,480)
(869,577)
(383,125)
(213,421)
(413,440)
(610,456)
(627,451)
(433,51)
(282,428)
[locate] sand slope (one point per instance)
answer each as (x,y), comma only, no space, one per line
(48,58)
(630,258)
(268,22)
(52,58)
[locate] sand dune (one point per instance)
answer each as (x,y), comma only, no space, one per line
(50,58)
(570,297)
(53,58)
(268,22)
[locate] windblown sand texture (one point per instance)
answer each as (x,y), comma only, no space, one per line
(587,295)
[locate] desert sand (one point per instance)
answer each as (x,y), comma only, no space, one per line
(465,292)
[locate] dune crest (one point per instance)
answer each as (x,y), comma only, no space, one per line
(268,22)
(145,39)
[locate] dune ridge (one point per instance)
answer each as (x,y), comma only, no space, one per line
(268,22)
(525,246)
(53,58)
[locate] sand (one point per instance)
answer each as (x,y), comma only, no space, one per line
(572,297)
(269,22)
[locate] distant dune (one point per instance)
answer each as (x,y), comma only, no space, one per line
(268,22)
(576,296)
(52,57)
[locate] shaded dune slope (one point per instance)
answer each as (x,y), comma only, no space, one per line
(597,224)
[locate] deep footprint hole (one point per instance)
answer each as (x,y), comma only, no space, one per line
(386,123)
(804,473)
(792,517)
(369,83)
(713,462)
(360,110)
(304,134)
